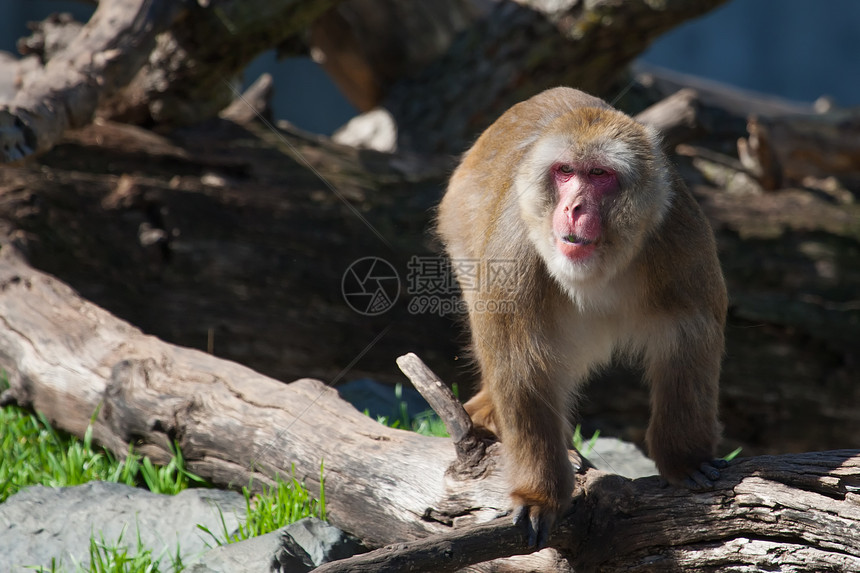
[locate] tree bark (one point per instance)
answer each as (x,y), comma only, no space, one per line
(191,72)
(786,513)
(519,49)
(70,359)
(132,72)
(803,150)
(146,62)
(102,58)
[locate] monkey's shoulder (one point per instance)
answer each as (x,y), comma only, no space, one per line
(679,262)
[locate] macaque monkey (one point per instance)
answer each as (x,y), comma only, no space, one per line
(613,258)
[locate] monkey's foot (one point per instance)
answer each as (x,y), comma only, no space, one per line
(538,522)
(703,477)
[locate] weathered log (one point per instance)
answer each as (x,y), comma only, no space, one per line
(786,513)
(69,359)
(797,150)
(188,76)
(519,49)
(102,58)
(367,45)
(181,77)
(779,143)
(50,36)
(131,63)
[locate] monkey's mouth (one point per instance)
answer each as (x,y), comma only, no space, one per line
(575,239)
(576,248)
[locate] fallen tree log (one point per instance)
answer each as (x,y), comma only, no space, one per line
(154,63)
(798,150)
(103,57)
(772,513)
(779,143)
(68,359)
(132,63)
(505,53)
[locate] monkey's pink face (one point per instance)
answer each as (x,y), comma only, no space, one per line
(576,221)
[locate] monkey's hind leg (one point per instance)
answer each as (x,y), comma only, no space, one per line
(480,409)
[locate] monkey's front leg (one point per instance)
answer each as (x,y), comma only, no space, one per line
(684,429)
(531,419)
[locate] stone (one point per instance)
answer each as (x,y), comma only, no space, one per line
(296,548)
(40,523)
(623,458)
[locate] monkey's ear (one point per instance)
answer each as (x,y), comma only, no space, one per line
(656,141)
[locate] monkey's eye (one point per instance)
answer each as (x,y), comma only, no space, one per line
(597,171)
(565,168)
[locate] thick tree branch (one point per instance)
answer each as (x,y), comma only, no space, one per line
(170,62)
(188,76)
(102,58)
(520,49)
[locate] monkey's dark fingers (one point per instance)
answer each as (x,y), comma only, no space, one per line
(520,512)
(706,475)
(710,469)
(697,480)
(538,524)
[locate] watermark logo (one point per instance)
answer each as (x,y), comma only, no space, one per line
(370,286)
(434,284)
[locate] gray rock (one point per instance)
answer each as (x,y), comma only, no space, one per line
(296,548)
(41,523)
(623,458)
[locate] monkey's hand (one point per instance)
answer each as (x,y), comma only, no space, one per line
(698,478)
(539,519)
(538,507)
(705,475)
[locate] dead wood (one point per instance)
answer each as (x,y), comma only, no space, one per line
(368,45)
(517,50)
(787,513)
(156,64)
(143,61)
(779,143)
(803,149)
(69,359)
(102,58)
(190,72)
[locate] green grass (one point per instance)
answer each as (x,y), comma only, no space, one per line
(732,454)
(278,505)
(33,453)
(582,446)
(116,557)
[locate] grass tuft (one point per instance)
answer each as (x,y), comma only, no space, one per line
(281,504)
(34,453)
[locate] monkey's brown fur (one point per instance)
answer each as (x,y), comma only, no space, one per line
(653,291)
